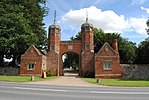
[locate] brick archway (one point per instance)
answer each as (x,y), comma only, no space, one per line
(73,46)
(61,62)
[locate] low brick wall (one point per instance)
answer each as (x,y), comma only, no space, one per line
(136,71)
(12,71)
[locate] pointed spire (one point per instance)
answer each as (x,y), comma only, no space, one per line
(86,16)
(55,17)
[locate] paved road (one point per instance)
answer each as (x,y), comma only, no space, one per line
(21,91)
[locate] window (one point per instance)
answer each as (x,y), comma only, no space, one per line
(87,29)
(56,30)
(107,66)
(70,47)
(83,29)
(106,48)
(87,47)
(52,30)
(30,66)
(52,48)
(43,66)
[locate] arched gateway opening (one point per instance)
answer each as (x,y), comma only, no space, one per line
(70,50)
(70,64)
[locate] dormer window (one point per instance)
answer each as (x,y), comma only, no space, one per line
(83,29)
(87,47)
(87,29)
(52,48)
(56,30)
(52,30)
(90,29)
(106,48)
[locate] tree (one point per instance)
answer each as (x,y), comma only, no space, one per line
(127,51)
(71,59)
(100,38)
(143,49)
(143,52)
(147,23)
(21,25)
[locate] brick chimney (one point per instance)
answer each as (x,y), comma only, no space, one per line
(115,45)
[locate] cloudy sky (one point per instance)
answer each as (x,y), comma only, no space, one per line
(127,17)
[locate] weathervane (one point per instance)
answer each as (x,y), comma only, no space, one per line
(86,16)
(55,17)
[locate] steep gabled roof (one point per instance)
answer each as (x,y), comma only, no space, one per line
(32,46)
(43,52)
(110,51)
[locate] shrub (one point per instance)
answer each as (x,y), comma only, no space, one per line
(89,74)
(49,74)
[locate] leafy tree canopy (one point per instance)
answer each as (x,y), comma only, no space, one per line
(71,60)
(143,52)
(21,25)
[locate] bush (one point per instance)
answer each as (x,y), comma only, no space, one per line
(49,74)
(89,74)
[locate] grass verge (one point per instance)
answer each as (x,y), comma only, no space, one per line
(23,78)
(119,82)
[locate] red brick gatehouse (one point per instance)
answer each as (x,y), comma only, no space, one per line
(104,64)
(33,62)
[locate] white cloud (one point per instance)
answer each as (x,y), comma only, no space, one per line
(139,25)
(108,20)
(145,9)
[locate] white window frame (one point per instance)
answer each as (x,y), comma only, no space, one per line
(44,67)
(107,65)
(53,30)
(87,47)
(52,48)
(31,66)
(87,29)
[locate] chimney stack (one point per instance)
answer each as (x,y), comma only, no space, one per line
(115,45)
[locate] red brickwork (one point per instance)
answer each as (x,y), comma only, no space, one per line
(52,62)
(107,55)
(73,46)
(32,56)
(87,54)
(87,63)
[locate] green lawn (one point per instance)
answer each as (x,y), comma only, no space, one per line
(23,78)
(119,82)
